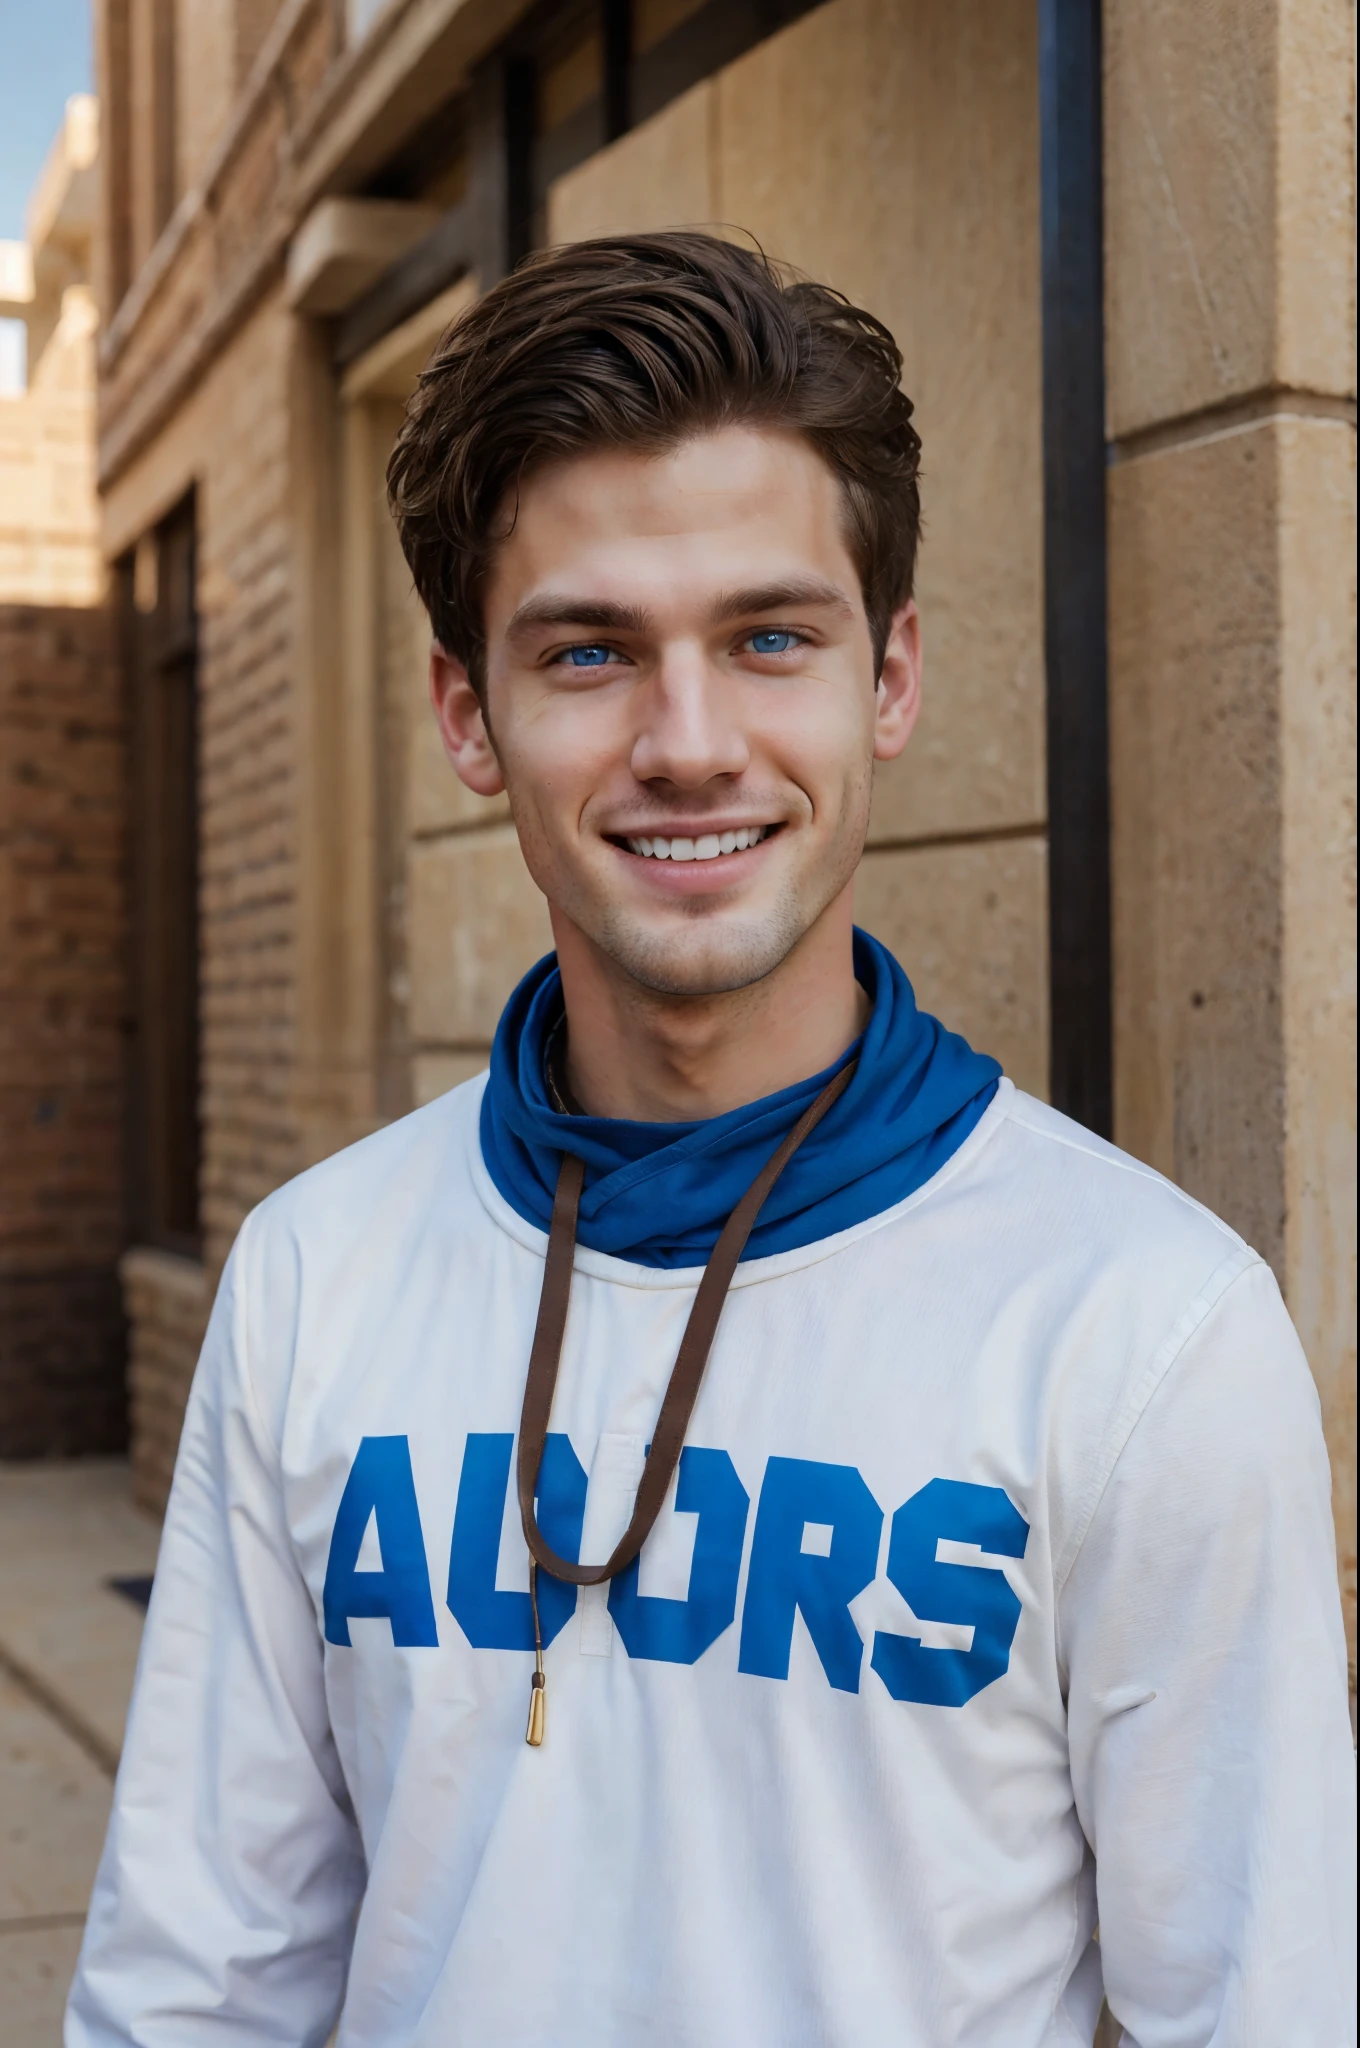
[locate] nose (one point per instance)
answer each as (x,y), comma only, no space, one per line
(691,728)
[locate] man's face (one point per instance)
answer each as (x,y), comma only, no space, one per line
(682,703)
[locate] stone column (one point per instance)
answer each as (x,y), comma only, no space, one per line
(1230,220)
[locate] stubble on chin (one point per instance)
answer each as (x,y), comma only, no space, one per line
(711,955)
(709,951)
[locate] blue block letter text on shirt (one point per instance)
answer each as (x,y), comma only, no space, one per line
(961,1593)
(784,1576)
(493,1620)
(380,1486)
(679,1631)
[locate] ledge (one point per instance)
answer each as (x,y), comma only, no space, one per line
(334,136)
(168,1273)
(201,199)
(364,103)
(1274,401)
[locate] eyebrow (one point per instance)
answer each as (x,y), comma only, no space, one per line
(600,615)
(593,612)
(776,597)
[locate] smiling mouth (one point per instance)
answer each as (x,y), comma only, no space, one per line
(707,846)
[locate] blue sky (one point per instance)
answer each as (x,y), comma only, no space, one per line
(45,56)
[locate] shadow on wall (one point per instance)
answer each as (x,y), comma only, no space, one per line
(63,1014)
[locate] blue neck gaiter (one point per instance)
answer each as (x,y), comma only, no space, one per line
(659,1194)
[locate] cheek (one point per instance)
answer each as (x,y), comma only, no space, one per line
(559,755)
(823,742)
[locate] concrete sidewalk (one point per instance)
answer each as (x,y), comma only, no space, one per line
(68,1649)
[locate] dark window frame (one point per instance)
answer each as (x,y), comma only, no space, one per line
(1076,697)
(160,656)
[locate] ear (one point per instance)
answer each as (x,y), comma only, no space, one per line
(897,700)
(462,725)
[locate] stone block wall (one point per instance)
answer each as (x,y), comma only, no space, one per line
(1230,280)
(62,1010)
(920,201)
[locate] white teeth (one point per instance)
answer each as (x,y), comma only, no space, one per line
(707,847)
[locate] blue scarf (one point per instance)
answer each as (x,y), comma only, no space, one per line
(659,1194)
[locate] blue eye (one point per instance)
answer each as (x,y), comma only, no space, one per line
(590,656)
(773,641)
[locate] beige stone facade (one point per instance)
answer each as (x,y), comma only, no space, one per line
(361,917)
(49,515)
(1231,363)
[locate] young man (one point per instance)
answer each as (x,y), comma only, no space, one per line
(993,1592)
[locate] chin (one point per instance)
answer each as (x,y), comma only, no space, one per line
(710,958)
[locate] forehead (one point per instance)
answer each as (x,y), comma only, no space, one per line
(739,506)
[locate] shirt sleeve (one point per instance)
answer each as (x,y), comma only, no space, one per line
(1207,1711)
(225,1900)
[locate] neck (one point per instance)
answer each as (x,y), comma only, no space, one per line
(653,1058)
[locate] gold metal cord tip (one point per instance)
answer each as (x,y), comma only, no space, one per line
(538,1698)
(533,1735)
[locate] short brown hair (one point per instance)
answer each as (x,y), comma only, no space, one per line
(638,341)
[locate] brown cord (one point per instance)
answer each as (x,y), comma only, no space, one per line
(681,1393)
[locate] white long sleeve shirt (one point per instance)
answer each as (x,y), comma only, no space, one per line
(997,1600)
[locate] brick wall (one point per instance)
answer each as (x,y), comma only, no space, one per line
(231,442)
(62,1003)
(248,785)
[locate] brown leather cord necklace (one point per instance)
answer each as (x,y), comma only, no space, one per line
(681,1393)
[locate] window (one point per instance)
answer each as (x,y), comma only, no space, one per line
(160,645)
